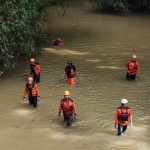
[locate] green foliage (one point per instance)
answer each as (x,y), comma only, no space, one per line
(111,5)
(20,31)
(144,5)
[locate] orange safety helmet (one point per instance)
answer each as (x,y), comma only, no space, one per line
(134,56)
(66,93)
(30,79)
(32,60)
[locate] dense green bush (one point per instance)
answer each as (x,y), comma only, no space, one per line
(144,5)
(111,5)
(121,5)
(20,31)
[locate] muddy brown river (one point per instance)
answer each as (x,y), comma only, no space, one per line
(99,45)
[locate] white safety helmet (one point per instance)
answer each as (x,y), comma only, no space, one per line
(124,101)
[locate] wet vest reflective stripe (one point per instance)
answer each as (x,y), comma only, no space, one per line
(31,90)
(123,116)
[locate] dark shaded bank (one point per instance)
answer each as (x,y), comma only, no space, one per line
(121,6)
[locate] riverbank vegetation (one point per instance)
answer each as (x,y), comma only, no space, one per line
(20,31)
(122,6)
(21,35)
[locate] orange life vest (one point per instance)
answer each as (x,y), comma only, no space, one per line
(123,115)
(132,65)
(67,106)
(31,90)
(72,72)
(35,68)
(61,44)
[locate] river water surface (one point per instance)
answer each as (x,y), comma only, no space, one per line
(99,45)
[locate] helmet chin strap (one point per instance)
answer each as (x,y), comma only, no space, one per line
(122,105)
(133,60)
(66,98)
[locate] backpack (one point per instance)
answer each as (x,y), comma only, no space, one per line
(123,116)
(70,72)
(132,65)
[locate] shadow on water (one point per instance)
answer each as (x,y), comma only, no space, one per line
(93,10)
